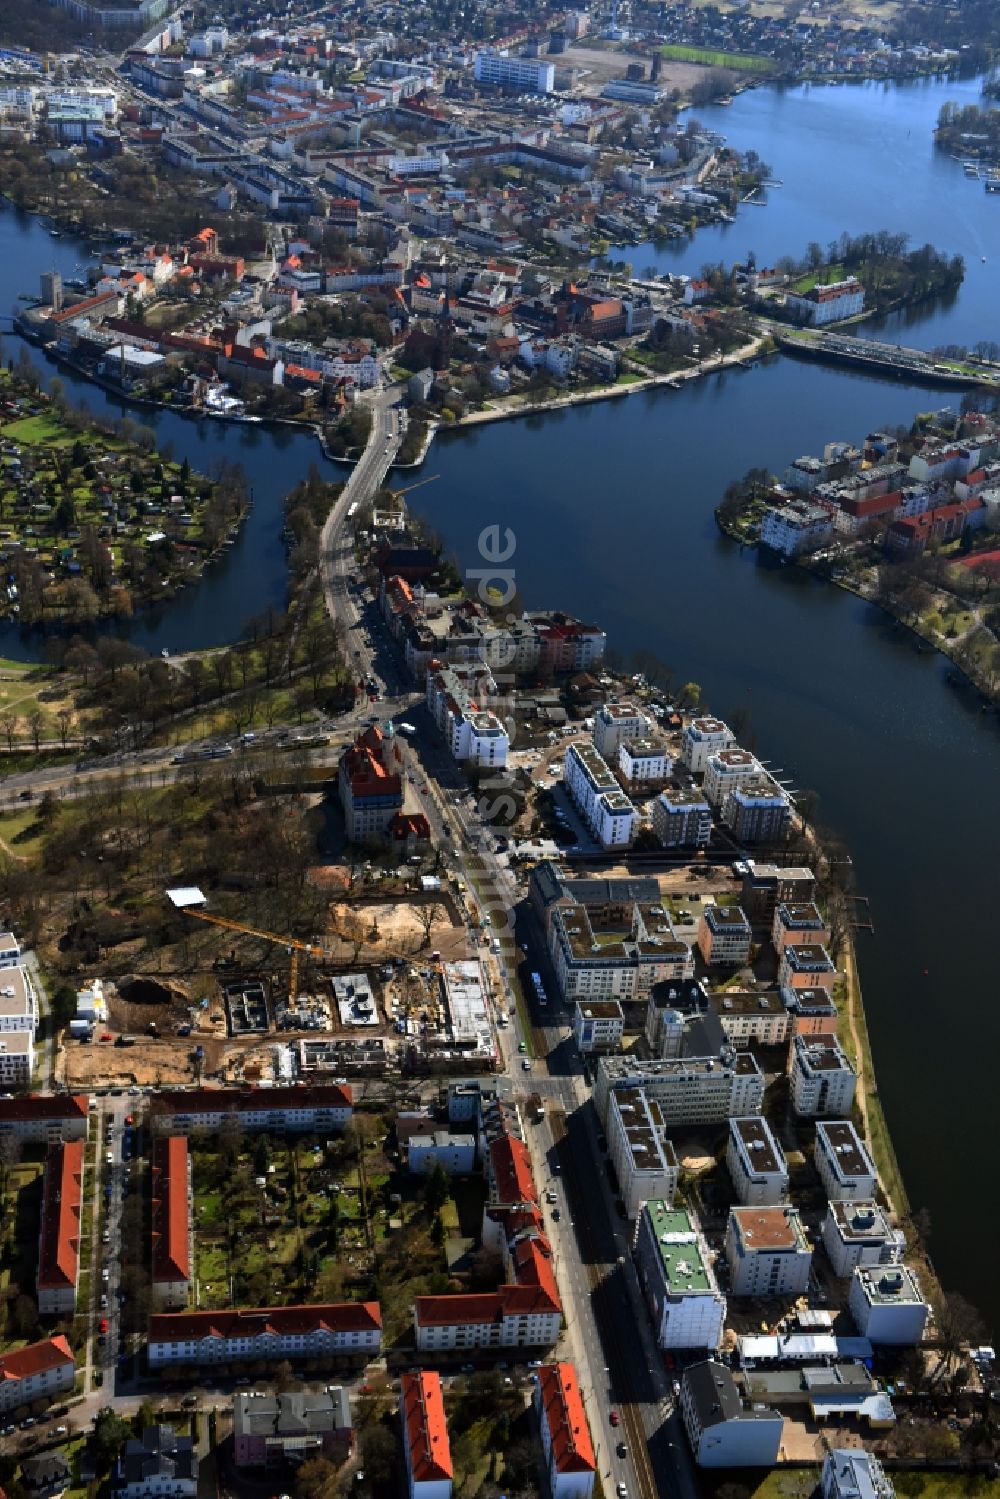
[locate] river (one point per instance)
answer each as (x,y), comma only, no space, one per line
(611,507)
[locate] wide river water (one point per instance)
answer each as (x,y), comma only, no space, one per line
(611,508)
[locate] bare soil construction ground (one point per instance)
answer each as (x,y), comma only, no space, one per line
(602,65)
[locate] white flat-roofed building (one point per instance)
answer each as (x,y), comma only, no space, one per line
(797,527)
(18,1000)
(10,950)
(689,1090)
(616,724)
(845,1167)
(748,1016)
(598,1025)
(806,966)
(726,770)
(859,1233)
(600,800)
(529,75)
(644,763)
(823,1079)
(701,738)
(852,1473)
(724,1430)
(756,1164)
(615,953)
(675,1271)
(798,923)
(682,817)
(768,1252)
(17,1057)
(724,936)
(643,1157)
(887,1305)
(455,1154)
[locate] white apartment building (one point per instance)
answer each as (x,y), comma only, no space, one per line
(727,770)
(756,1163)
(845,1166)
(644,762)
(10,951)
(887,1305)
(643,1157)
(829,303)
(593,963)
(474,734)
(322,1109)
(564,1432)
(529,75)
(749,1016)
(682,818)
(18,1000)
(455,1154)
(603,805)
(41,1119)
(688,1090)
(17,1058)
(725,1432)
(823,1079)
(798,527)
(675,1271)
(701,738)
(852,1473)
(38,1371)
(768,1252)
(266,1334)
(598,1025)
(724,936)
(616,724)
(426,1447)
(859,1233)
(513,1316)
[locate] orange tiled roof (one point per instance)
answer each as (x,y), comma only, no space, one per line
(171,1229)
(562,1406)
(425,1428)
(59,1249)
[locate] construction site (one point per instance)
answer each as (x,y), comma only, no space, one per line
(391,986)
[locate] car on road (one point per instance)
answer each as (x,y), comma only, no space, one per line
(614,1418)
(103,1325)
(525,1064)
(622,1491)
(622,1450)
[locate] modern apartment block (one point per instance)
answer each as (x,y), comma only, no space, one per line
(528,75)
(598,1025)
(756,1163)
(457,697)
(845,1167)
(724,1430)
(686,1306)
(565,1432)
(643,1157)
(266,1334)
(40,1119)
(728,769)
(798,923)
(17,1058)
(724,936)
(887,1305)
(602,804)
(823,1078)
(10,951)
(757,812)
(811,1012)
(370,785)
(643,764)
(682,817)
(58,1270)
(701,738)
(688,1090)
(859,1233)
(426,1448)
(616,724)
(615,951)
(38,1371)
(766,886)
(768,1252)
(806,966)
(852,1473)
(171,1196)
(751,1016)
(18,1000)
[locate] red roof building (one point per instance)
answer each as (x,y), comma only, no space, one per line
(325,1108)
(59,1240)
(425,1436)
(565,1434)
(171,1221)
(266,1334)
(36,1372)
(510,1170)
(38,1117)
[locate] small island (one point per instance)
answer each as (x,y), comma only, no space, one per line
(94,522)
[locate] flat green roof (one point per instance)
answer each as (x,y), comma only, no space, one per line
(679,1244)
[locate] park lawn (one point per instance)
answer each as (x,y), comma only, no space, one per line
(34,431)
(824,275)
(740,62)
(17,830)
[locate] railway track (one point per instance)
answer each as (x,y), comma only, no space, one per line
(606,1291)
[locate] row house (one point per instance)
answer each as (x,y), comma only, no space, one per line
(564,1432)
(510,1317)
(426,1448)
(266,1334)
(40,1119)
(58,1270)
(322,1110)
(171,1199)
(39,1371)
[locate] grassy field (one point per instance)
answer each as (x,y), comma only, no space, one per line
(740,62)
